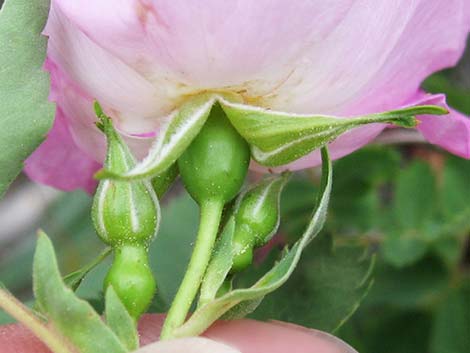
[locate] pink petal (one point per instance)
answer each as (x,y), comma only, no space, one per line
(134,101)
(77,111)
(451,132)
(75,129)
(377,57)
(207,43)
(140,58)
(60,163)
(344,57)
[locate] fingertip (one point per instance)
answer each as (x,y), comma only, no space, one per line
(15,338)
(188,345)
(150,326)
(275,337)
(246,336)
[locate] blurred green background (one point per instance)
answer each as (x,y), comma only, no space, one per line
(396,242)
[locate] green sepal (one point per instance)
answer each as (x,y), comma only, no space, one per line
(206,314)
(242,309)
(278,138)
(74,279)
(119,158)
(123,211)
(119,320)
(181,128)
(227,286)
(72,317)
(163,181)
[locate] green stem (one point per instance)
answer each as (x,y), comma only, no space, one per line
(45,333)
(74,279)
(210,214)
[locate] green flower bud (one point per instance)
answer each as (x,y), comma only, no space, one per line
(215,164)
(132,279)
(257,216)
(123,212)
(126,216)
(243,249)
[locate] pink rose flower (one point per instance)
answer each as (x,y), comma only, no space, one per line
(141,58)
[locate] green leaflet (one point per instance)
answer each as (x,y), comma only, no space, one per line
(182,127)
(278,138)
(119,320)
(452,321)
(206,314)
(25,113)
(72,317)
(411,233)
(429,213)
(74,279)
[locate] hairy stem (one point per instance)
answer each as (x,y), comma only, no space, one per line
(21,313)
(210,215)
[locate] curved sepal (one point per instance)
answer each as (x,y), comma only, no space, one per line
(75,278)
(181,128)
(123,211)
(278,138)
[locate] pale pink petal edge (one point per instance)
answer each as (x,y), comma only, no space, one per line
(451,131)
(58,162)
